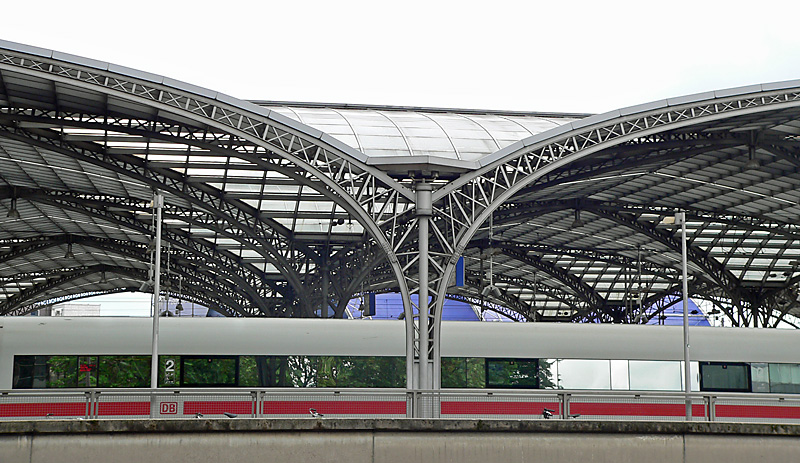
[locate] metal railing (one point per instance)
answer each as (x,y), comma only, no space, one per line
(395,403)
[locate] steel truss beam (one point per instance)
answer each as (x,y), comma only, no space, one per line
(504,298)
(573,302)
(609,257)
(360,189)
(27,309)
(640,155)
(186,265)
(224,263)
(575,284)
(516,212)
(161,174)
(199,290)
(515,315)
(462,206)
(24,310)
(241,226)
(27,298)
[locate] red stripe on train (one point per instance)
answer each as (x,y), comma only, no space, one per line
(217,407)
(634,409)
(497,408)
(338,407)
(43,409)
(757,411)
(597,409)
(123,408)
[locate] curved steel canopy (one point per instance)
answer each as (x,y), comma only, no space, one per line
(281,209)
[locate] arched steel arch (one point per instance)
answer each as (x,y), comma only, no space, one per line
(262,235)
(340,168)
(366,193)
(195,273)
(200,290)
(461,206)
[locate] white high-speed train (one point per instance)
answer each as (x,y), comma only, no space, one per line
(56,352)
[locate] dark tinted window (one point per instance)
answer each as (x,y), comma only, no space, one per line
(124,371)
(463,372)
(721,376)
(319,371)
(512,373)
(45,371)
(209,371)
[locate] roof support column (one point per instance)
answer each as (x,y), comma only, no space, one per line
(424,210)
(326,300)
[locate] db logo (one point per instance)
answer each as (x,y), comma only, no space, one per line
(169,408)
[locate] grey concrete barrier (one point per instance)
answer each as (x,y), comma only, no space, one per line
(390,441)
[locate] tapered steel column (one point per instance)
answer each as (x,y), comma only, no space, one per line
(424,212)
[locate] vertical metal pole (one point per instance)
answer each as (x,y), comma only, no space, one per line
(424,212)
(325,300)
(687,378)
(158,204)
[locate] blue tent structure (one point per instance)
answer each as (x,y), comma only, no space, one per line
(673,314)
(389,306)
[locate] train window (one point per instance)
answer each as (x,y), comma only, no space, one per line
(584,374)
(548,379)
(30,372)
(62,371)
(124,371)
(548,374)
(370,371)
(248,371)
(651,375)
(784,377)
(759,377)
(87,371)
(274,371)
(45,371)
(209,371)
(512,373)
(347,371)
(724,376)
(620,376)
(463,372)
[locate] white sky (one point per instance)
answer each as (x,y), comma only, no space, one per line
(561,56)
(558,56)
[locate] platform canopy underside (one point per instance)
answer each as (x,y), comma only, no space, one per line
(272,206)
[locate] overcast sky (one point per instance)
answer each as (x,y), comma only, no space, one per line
(538,56)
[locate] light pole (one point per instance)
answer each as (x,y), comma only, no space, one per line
(680,219)
(158,204)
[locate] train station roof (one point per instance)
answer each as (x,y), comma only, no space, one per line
(403,139)
(272,206)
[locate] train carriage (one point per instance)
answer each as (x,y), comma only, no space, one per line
(64,354)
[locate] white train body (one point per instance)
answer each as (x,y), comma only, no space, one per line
(43,336)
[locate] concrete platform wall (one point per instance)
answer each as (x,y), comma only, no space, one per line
(410,441)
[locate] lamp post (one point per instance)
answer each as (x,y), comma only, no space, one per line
(687,376)
(158,204)
(680,219)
